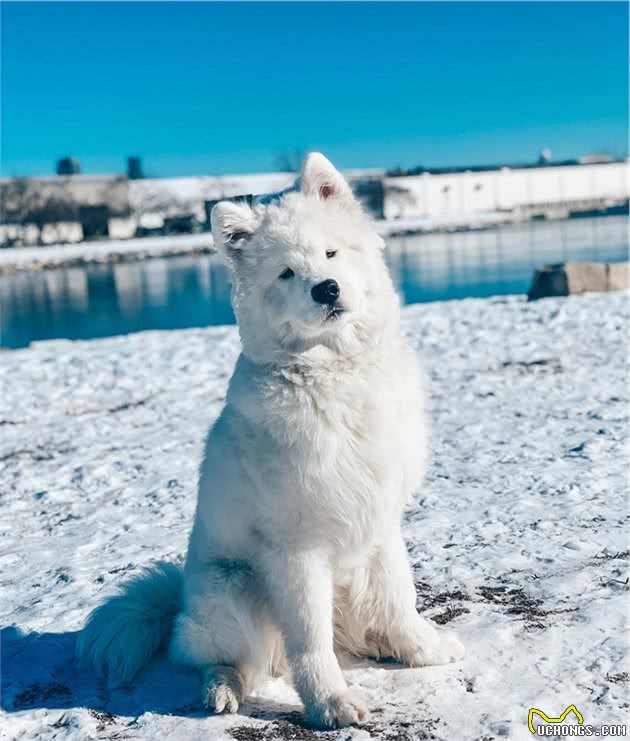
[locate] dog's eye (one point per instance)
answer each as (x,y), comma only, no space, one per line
(286,274)
(330,254)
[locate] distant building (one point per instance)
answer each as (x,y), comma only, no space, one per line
(134,168)
(369,192)
(182,224)
(65,209)
(73,207)
(94,221)
(68,166)
(553,190)
(180,196)
(208,206)
(595,158)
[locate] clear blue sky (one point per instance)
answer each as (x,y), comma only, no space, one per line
(199,88)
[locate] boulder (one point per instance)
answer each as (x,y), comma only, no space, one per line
(578,277)
(619,276)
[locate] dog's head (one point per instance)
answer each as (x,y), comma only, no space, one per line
(308,271)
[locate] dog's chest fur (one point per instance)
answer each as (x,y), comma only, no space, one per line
(329,449)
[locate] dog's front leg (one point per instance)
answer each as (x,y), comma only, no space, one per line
(392,611)
(301,590)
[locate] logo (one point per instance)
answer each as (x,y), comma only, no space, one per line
(547,719)
(558,727)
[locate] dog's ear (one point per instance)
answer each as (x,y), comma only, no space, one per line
(232,226)
(321,179)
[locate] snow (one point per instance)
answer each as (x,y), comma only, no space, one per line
(176,195)
(111,250)
(518,539)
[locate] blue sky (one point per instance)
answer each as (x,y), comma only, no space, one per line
(199,88)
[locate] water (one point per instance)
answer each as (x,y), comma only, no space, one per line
(193,291)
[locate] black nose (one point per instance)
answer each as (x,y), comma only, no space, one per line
(326,292)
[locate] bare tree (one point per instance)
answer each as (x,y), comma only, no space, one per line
(17,199)
(25,204)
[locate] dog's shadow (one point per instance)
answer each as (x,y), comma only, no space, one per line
(39,670)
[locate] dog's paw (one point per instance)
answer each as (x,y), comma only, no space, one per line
(430,648)
(222,689)
(338,711)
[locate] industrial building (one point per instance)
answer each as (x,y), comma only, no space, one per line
(547,190)
(76,207)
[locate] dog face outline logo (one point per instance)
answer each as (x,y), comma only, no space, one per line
(547,719)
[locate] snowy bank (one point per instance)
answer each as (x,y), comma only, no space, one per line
(518,538)
(111,250)
(138,248)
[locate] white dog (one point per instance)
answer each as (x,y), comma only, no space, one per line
(296,548)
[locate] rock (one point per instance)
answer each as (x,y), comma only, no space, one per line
(586,276)
(619,276)
(549,281)
(578,277)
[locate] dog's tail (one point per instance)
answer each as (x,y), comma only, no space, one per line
(123,633)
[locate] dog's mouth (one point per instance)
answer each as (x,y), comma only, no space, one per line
(334,313)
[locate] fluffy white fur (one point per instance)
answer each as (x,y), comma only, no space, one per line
(296,549)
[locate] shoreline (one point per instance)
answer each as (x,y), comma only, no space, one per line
(78,254)
(81,254)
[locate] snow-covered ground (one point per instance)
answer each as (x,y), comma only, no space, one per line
(519,538)
(110,250)
(119,250)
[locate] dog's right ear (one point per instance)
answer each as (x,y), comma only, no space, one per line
(232,226)
(320,178)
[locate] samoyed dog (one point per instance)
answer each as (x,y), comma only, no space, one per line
(296,551)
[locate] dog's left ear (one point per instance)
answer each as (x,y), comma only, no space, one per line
(321,179)
(232,226)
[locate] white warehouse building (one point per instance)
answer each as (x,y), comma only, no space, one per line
(548,190)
